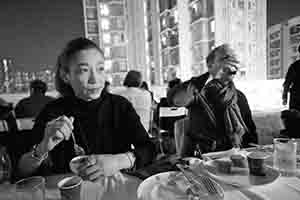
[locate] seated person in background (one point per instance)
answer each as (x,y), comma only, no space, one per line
(220,117)
(103,124)
(140,98)
(32,105)
(291,121)
(167,123)
(7,114)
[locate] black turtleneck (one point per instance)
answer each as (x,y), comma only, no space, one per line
(107,125)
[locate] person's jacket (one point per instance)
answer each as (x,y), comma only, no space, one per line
(198,122)
(108,125)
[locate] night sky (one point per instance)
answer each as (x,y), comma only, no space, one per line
(33,32)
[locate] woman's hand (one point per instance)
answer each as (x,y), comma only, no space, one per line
(56,131)
(104,165)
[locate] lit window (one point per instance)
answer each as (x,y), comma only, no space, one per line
(212,26)
(106,52)
(164,23)
(175,16)
(107,65)
(104,10)
(106,38)
(105,24)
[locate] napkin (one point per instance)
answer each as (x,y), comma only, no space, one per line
(220,154)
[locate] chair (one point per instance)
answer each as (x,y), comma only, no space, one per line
(25,123)
(173,113)
(182,141)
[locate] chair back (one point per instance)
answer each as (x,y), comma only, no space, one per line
(172,111)
(3,126)
(25,123)
(182,141)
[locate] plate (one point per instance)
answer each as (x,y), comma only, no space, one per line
(167,186)
(241,176)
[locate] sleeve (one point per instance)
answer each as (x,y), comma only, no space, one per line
(289,79)
(247,117)
(144,149)
(19,109)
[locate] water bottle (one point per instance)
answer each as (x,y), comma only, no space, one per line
(5,166)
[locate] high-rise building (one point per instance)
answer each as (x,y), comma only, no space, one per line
(283,42)
(117,26)
(189,29)
(168,38)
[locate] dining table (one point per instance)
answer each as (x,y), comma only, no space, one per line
(124,186)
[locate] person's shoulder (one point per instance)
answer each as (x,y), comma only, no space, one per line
(58,102)
(118,99)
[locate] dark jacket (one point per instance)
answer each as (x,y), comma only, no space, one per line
(31,106)
(108,125)
(292,85)
(198,121)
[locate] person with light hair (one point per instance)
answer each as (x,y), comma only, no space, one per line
(219,114)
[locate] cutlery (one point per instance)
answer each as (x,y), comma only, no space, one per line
(78,149)
(204,182)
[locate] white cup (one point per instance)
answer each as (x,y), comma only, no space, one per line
(77,162)
(70,188)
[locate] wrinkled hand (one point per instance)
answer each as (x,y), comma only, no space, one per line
(100,166)
(56,131)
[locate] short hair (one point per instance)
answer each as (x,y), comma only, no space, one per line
(38,86)
(133,79)
(63,60)
(174,82)
(144,85)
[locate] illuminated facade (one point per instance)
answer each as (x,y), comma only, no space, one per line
(189,29)
(168,38)
(283,42)
(117,26)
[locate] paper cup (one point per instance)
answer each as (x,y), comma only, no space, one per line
(77,161)
(70,188)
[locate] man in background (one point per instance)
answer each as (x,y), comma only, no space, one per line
(30,107)
(292,85)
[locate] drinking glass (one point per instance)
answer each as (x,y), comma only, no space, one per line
(285,156)
(32,188)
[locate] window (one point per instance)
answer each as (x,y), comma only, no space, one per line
(165,58)
(117,38)
(106,38)
(107,52)
(197,10)
(295,29)
(91,3)
(241,4)
(118,52)
(116,9)
(274,35)
(295,39)
(174,56)
(104,10)
(199,31)
(117,23)
(92,27)
(105,24)
(91,13)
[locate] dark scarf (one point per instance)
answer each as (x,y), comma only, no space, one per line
(221,98)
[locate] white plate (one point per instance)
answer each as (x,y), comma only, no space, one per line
(167,186)
(242,176)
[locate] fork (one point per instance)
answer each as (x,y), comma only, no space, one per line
(194,187)
(206,182)
(79,151)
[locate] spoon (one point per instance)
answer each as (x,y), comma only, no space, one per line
(79,151)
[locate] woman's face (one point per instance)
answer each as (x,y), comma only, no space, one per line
(86,74)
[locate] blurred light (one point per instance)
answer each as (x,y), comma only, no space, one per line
(105,24)
(108,65)
(175,16)
(212,26)
(106,38)
(104,10)
(106,52)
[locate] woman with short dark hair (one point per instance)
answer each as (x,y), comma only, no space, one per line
(105,126)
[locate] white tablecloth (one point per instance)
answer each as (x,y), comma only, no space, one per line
(126,188)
